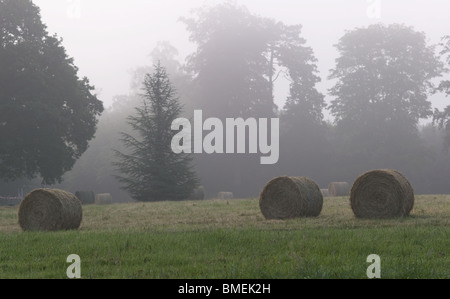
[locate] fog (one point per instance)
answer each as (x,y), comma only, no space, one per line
(110,38)
(380,122)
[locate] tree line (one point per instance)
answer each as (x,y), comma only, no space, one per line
(383,79)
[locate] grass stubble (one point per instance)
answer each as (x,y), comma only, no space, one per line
(230,239)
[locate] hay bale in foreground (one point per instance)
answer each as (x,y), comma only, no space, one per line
(325,192)
(338,189)
(225,195)
(291,197)
(86,197)
(198,194)
(383,193)
(103,199)
(50,210)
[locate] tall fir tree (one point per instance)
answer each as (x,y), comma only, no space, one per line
(151,171)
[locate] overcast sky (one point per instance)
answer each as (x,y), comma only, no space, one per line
(110,38)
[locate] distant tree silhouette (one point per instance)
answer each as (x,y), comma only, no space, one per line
(442,118)
(240,57)
(149,169)
(383,80)
(48,114)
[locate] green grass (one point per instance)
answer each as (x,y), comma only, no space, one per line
(231,239)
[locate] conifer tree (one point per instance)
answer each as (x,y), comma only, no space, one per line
(150,170)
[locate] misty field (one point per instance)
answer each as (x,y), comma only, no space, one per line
(231,239)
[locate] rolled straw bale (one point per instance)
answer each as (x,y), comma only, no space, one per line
(325,192)
(225,195)
(383,193)
(86,197)
(198,194)
(291,197)
(338,189)
(50,210)
(103,199)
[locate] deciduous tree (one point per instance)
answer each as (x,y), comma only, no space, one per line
(48,114)
(383,80)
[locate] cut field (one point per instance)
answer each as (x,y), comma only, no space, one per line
(227,239)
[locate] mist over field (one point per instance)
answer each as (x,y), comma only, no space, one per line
(244,139)
(291,60)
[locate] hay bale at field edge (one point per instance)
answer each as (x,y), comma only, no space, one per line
(383,193)
(291,197)
(103,199)
(50,210)
(325,192)
(225,195)
(198,194)
(86,197)
(336,189)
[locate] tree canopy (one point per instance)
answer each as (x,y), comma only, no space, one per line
(442,118)
(383,82)
(383,74)
(48,114)
(239,58)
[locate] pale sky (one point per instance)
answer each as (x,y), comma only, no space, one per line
(110,38)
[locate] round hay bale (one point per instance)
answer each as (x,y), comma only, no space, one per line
(86,197)
(103,199)
(383,193)
(325,192)
(50,210)
(225,195)
(198,194)
(338,189)
(291,197)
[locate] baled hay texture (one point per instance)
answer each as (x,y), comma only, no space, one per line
(382,193)
(225,195)
(291,197)
(50,210)
(103,199)
(325,192)
(86,197)
(198,194)
(338,189)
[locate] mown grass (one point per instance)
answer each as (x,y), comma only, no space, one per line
(230,239)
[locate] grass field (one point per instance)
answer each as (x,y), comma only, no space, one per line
(215,239)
